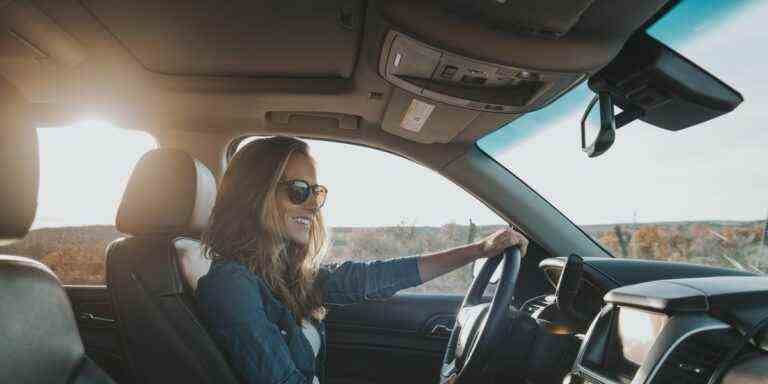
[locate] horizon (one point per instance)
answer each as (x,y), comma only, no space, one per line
(738,222)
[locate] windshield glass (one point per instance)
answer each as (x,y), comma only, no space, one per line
(698,195)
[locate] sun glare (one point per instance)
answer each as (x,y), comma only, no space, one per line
(84,169)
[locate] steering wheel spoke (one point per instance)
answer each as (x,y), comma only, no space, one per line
(469,313)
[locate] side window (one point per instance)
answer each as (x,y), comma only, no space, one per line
(84,170)
(383,206)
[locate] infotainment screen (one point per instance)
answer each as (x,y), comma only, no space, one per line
(637,331)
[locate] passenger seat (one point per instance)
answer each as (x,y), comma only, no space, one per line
(152,272)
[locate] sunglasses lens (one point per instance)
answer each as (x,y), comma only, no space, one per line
(298,192)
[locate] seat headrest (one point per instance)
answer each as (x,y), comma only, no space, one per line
(168,192)
(40,340)
(19,175)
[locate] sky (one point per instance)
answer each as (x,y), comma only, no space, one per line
(711,171)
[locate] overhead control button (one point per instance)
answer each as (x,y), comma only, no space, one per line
(449,71)
(474,80)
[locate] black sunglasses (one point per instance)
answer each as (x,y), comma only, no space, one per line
(300,190)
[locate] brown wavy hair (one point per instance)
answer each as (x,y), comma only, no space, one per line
(246,226)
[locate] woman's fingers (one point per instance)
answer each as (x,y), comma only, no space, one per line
(514,238)
(503,239)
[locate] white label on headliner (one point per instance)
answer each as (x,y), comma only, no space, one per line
(416,115)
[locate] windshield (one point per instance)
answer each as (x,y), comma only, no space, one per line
(698,195)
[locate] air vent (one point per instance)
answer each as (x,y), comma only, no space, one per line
(536,304)
(695,359)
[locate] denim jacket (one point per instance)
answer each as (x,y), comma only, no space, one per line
(260,336)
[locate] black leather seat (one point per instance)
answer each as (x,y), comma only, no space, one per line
(39,339)
(151,274)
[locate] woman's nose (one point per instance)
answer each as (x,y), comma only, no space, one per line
(312,203)
(310,207)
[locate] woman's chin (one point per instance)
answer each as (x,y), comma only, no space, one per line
(297,233)
(300,239)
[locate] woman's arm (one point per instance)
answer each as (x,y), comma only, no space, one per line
(439,263)
(354,282)
(359,281)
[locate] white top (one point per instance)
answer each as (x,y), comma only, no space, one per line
(313,336)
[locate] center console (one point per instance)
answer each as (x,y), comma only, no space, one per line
(669,331)
(632,345)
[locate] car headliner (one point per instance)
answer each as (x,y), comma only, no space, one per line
(200,75)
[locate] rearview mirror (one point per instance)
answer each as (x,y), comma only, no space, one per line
(598,126)
(649,81)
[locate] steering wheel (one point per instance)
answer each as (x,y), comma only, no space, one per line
(481,325)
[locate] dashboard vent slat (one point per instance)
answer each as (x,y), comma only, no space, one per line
(695,359)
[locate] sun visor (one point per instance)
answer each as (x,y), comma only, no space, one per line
(29,34)
(548,18)
(243,38)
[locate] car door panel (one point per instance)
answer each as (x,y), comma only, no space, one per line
(390,340)
(403,339)
(98,328)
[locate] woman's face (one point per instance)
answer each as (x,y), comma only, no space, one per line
(297,218)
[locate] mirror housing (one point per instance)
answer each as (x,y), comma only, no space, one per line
(653,83)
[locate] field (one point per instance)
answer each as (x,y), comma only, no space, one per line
(76,254)
(728,244)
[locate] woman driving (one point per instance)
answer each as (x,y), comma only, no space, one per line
(266,293)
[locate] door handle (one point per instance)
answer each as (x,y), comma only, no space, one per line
(91,318)
(441,330)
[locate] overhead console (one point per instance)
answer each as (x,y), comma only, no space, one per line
(463,68)
(460,81)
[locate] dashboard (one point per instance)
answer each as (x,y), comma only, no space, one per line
(657,322)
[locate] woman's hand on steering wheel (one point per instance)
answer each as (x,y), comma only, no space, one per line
(495,243)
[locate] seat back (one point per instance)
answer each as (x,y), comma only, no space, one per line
(40,340)
(169,194)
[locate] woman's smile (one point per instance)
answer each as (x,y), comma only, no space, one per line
(302,220)
(299,224)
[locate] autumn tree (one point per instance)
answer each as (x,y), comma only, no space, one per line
(472,231)
(623,238)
